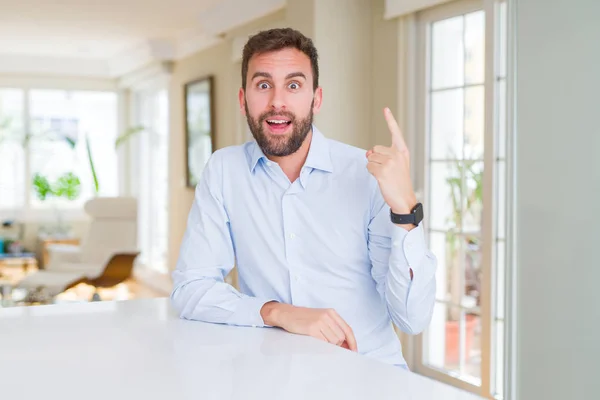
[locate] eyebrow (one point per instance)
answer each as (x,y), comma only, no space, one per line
(269,76)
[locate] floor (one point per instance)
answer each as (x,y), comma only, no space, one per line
(130,289)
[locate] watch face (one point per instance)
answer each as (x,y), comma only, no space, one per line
(419,213)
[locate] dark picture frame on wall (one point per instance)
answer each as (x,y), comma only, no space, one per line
(199,106)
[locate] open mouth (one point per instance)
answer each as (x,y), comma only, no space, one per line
(278,125)
(278,122)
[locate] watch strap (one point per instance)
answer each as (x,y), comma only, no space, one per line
(414,218)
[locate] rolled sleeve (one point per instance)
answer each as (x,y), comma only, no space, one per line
(408,247)
(248,312)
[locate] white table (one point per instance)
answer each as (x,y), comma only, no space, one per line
(141,350)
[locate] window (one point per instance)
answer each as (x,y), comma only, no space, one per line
(462,92)
(12,152)
(47,133)
(150,173)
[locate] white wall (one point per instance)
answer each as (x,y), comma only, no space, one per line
(558,199)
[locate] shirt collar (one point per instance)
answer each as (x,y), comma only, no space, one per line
(255,154)
(319,156)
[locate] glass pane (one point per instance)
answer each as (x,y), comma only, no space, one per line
(457,331)
(498,356)
(502,118)
(12,153)
(501,215)
(473,256)
(455,271)
(447,55)
(447,116)
(446,247)
(444,196)
(474,122)
(472,194)
(161,183)
(453,341)
(11,114)
(438,245)
(153,180)
(63,124)
(472,345)
(500,278)
(475,47)
(436,343)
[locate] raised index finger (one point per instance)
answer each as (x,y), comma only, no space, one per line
(397,139)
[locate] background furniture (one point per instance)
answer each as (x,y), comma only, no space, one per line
(22,260)
(44,241)
(106,253)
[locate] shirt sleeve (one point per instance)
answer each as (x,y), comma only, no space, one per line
(394,251)
(206,256)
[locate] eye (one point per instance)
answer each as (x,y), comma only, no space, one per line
(294,86)
(263,85)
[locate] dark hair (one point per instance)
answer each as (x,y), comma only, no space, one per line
(278,39)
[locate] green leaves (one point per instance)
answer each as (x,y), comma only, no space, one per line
(91,161)
(127,134)
(42,187)
(67,185)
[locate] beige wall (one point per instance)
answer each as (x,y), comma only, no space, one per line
(359,75)
(385,73)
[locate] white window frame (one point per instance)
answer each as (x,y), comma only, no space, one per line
(146,84)
(413,109)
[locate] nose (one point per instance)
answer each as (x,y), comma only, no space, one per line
(277,99)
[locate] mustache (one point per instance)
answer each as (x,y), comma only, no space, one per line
(269,114)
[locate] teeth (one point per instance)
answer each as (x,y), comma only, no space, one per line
(276,121)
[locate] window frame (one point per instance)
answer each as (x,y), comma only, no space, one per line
(139,97)
(415,73)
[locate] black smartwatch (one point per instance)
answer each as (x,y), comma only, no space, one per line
(415,217)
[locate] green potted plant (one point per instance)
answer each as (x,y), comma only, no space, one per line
(67,186)
(466,196)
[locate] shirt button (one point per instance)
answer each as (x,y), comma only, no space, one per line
(269,163)
(397,244)
(292,235)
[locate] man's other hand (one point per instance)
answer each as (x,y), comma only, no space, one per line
(323,324)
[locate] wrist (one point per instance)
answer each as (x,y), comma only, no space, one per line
(404,207)
(407,217)
(271,313)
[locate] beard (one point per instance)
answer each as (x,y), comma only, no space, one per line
(284,145)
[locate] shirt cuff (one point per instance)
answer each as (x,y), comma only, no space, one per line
(408,246)
(247,312)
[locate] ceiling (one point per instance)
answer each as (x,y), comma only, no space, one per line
(92,31)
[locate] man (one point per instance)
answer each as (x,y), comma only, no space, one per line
(307,220)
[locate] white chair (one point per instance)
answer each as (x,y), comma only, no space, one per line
(104,257)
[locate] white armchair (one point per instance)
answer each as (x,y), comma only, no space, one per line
(111,237)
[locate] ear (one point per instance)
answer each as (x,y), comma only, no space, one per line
(318,100)
(242,100)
